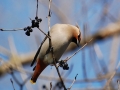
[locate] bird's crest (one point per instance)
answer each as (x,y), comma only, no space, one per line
(78,28)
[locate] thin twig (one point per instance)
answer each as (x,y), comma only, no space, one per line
(83,52)
(36,55)
(12,83)
(17,65)
(16,80)
(44,33)
(114,52)
(73,82)
(58,72)
(79,49)
(118,82)
(98,79)
(37,9)
(111,77)
(24,82)
(68,58)
(11,29)
(50,45)
(56,65)
(94,63)
(101,58)
(50,85)
(49,14)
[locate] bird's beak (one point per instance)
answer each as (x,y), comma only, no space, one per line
(78,42)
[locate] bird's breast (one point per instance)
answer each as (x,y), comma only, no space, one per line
(59,44)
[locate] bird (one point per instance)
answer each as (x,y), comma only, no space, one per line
(61,36)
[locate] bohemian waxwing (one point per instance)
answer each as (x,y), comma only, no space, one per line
(61,36)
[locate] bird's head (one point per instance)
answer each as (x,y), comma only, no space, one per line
(76,35)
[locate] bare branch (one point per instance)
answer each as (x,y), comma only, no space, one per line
(111,77)
(114,53)
(11,29)
(49,14)
(73,82)
(44,33)
(37,9)
(52,49)
(118,82)
(12,83)
(101,58)
(50,85)
(23,59)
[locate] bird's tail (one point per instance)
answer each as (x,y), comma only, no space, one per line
(38,69)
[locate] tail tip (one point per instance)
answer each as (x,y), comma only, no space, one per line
(32,82)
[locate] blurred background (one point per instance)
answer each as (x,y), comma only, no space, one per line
(97,64)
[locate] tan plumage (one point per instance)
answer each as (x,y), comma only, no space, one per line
(61,35)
